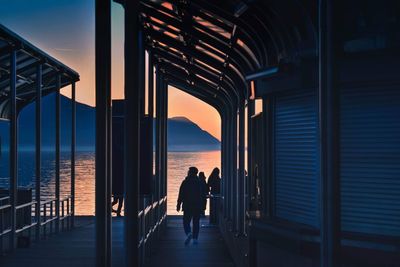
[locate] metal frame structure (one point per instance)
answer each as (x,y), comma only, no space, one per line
(26,75)
(213,50)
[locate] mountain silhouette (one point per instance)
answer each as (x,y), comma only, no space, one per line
(183,134)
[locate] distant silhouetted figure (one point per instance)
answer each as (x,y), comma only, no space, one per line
(118,164)
(117,190)
(214,187)
(203,178)
(191,195)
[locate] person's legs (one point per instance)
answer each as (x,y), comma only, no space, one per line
(196,225)
(115,201)
(186,222)
(187,217)
(120,202)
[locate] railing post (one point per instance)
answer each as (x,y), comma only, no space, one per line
(69,215)
(51,217)
(73,148)
(57,184)
(132,132)
(38,146)
(13,147)
(45,219)
(62,215)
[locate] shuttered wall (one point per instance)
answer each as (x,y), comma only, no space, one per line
(296,158)
(370,160)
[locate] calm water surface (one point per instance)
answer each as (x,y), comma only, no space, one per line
(178,164)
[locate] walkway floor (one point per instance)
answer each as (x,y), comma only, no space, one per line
(76,249)
(171,251)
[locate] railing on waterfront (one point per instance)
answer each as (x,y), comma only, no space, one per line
(150,218)
(26,218)
(4,208)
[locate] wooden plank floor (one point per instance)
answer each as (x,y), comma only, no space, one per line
(77,248)
(171,251)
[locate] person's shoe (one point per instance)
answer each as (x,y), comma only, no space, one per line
(195,242)
(188,238)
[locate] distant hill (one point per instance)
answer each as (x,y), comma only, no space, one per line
(85,125)
(183,134)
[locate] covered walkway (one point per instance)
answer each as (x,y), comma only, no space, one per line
(77,248)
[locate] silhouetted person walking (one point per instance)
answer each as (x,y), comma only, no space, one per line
(118,165)
(203,178)
(214,187)
(191,195)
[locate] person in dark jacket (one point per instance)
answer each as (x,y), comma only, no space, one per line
(214,182)
(203,180)
(214,187)
(191,197)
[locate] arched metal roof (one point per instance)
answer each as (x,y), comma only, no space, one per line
(28,57)
(211,46)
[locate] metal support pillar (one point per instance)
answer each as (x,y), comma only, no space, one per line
(241,179)
(235,172)
(223,164)
(150,103)
(38,146)
(103,88)
(132,133)
(164,154)
(73,150)
(250,114)
(158,136)
(329,138)
(109,177)
(150,84)
(57,162)
(13,147)
(230,168)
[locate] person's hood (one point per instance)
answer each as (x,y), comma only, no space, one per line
(191,177)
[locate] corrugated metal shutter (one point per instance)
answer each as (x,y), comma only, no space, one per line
(296,158)
(370,160)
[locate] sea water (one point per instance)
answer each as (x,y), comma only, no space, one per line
(178,164)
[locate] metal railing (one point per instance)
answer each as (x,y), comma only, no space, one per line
(26,216)
(151,217)
(3,209)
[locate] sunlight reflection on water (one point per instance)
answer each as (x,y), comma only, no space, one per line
(178,164)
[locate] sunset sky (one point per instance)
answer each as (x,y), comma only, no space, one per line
(65,30)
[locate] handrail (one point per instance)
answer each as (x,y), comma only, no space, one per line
(5,207)
(48,201)
(26,227)
(6,231)
(4,198)
(25,205)
(48,221)
(66,198)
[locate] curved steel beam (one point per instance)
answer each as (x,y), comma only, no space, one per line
(203,84)
(192,68)
(169,41)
